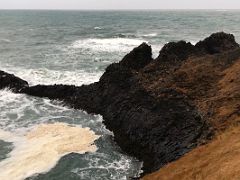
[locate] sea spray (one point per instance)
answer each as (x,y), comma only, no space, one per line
(40,149)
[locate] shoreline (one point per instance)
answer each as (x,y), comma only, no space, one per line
(153,106)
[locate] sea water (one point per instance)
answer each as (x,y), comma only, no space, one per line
(75,47)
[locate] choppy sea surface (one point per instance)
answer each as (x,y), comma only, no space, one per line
(74,47)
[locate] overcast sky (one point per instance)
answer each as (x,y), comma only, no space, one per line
(119,4)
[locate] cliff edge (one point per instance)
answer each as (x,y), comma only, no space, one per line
(160,109)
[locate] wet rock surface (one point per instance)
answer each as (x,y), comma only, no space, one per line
(145,102)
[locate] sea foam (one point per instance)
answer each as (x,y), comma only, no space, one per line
(108,44)
(39,150)
(48,77)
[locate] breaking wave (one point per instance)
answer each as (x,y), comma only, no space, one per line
(48,77)
(98,28)
(108,45)
(150,35)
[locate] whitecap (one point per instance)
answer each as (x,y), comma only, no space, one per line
(98,28)
(156,49)
(108,44)
(150,35)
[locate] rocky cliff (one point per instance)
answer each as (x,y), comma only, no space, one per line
(159,109)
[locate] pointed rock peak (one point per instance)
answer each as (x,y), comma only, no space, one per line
(217,43)
(176,51)
(138,58)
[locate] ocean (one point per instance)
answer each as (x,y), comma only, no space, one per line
(75,47)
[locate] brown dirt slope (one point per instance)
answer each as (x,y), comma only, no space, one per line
(213,84)
(219,160)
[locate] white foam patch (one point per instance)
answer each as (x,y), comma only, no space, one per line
(20,112)
(103,165)
(12,106)
(6,136)
(108,45)
(40,149)
(49,77)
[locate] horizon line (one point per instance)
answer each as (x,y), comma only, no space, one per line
(164,9)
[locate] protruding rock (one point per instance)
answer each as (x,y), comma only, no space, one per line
(217,43)
(176,51)
(181,50)
(138,58)
(53,91)
(12,82)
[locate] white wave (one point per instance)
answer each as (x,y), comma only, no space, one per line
(47,77)
(40,149)
(5,40)
(20,112)
(12,106)
(108,45)
(98,28)
(156,49)
(194,42)
(150,35)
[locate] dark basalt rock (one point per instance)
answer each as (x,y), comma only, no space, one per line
(181,50)
(138,57)
(176,51)
(155,129)
(12,82)
(51,91)
(216,43)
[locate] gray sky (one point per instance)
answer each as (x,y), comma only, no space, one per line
(119,4)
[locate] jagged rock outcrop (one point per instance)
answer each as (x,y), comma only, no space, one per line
(143,54)
(11,82)
(155,108)
(216,43)
(176,51)
(181,50)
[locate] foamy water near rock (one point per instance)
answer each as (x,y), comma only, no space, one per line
(39,150)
